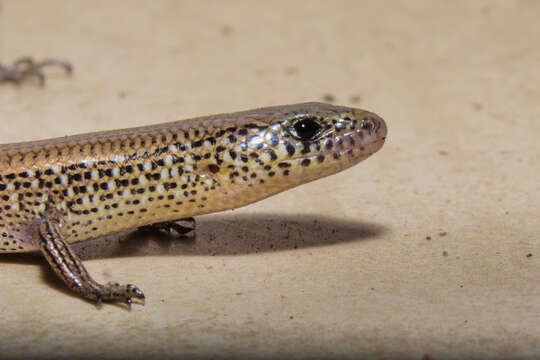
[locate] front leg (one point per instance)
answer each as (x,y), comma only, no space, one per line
(181,228)
(71,270)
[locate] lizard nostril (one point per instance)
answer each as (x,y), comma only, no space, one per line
(367,124)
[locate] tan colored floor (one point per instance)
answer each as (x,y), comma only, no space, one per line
(429,249)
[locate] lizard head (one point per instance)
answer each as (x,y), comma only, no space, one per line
(279,148)
(316,140)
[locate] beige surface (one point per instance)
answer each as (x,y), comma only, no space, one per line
(340,267)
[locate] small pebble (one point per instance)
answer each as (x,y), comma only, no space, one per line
(291,70)
(329,98)
(355,99)
(477,106)
(225,30)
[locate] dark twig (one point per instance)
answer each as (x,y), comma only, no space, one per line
(25,68)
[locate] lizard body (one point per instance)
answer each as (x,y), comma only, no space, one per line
(59,191)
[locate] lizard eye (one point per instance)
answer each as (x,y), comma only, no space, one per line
(306,128)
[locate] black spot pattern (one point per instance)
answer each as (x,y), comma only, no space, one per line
(108,182)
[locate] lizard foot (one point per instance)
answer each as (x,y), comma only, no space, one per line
(180,228)
(113,291)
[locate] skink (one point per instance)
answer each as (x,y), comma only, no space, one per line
(65,190)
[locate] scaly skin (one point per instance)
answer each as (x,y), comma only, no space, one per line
(59,191)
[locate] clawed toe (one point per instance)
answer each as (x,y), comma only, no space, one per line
(134,292)
(114,292)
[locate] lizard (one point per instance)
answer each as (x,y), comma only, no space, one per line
(60,191)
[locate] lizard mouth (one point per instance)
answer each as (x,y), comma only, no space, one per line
(375,146)
(359,152)
(357,145)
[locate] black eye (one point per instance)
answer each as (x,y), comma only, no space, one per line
(306,129)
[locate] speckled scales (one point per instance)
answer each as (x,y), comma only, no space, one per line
(55,192)
(111,181)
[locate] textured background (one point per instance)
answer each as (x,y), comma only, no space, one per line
(429,249)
